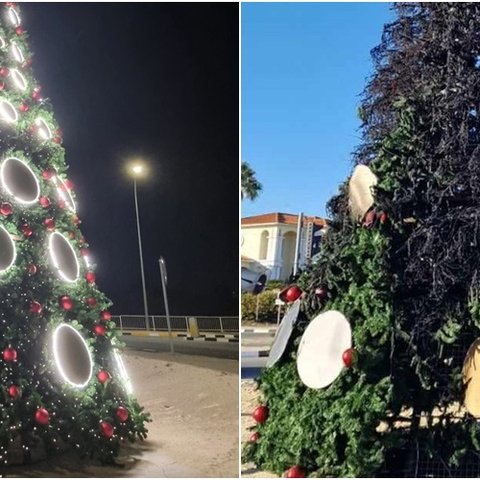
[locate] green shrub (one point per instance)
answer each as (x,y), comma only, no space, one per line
(267,310)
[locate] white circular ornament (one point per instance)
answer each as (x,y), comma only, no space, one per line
(18,80)
(360,193)
(7,250)
(43,130)
(64,194)
(17,53)
(63,258)
(19,181)
(7,112)
(319,356)
(14,17)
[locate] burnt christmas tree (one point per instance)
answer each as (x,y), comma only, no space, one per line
(62,380)
(396,291)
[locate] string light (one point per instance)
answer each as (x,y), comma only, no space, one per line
(17,53)
(123,372)
(65,195)
(43,129)
(32,198)
(14,17)
(5,236)
(61,242)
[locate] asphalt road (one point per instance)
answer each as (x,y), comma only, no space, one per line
(160,344)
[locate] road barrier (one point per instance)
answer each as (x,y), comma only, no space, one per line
(178,323)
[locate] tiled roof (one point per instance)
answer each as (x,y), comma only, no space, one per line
(283,218)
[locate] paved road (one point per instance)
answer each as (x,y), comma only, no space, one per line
(160,344)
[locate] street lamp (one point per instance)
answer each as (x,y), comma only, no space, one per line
(138,170)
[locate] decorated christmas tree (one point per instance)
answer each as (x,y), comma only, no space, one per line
(378,372)
(62,380)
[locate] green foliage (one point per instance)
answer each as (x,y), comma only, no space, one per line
(267,310)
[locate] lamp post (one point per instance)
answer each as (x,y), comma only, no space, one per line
(137,170)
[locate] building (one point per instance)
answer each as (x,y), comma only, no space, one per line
(270,239)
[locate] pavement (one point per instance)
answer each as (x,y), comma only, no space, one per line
(256,343)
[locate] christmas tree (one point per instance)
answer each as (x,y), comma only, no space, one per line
(62,380)
(395,294)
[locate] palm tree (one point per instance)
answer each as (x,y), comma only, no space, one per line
(251,187)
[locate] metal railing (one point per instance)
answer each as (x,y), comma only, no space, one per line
(178,323)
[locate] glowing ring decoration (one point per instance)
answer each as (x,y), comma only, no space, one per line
(14,17)
(65,195)
(123,372)
(8,112)
(17,53)
(18,80)
(68,359)
(63,260)
(43,130)
(8,253)
(31,178)
(3,44)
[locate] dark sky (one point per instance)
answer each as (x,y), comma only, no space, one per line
(160,81)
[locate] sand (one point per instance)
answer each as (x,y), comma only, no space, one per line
(193,401)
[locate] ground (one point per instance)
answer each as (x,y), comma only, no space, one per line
(193,401)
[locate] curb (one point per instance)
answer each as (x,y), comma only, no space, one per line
(256,354)
(270,331)
(216,337)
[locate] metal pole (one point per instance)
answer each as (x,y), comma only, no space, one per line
(297,244)
(256,309)
(164,288)
(141,256)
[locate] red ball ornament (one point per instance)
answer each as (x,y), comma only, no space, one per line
(57,140)
(105,315)
(107,429)
(295,472)
(254,437)
(103,376)
(75,220)
(6,209)
(49,223)
(383,218)
(4,72)
(13,391)
(91,302)
(369,219)
(59,132)
(19,30)
(23,107)
(2,86)
(99,330)
(44,202)
(260,414)
(32,269)
(321,293)
(9,355)
(36,95)
(27,230)
(293,293)
(48,174)
(71,235)
(42,417)
(84,252)
(69,184)
(349,357)
(66,303)
(90,276)
(35,308)
(122,414)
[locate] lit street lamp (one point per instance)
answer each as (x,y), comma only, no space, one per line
(138,170)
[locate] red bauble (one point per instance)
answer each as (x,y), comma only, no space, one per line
(19,30)
(122,414)
(36,95)
(6,209)
(90,276)
(105,315)
(23,107)
(49,223)
(27,230)
(107,429)
(2,86)
(91,302)
(9,355)
(103,376)
(75,220)
(13,391)
(84,252)
(370,218)
(32,269)
(44,202)
(260,414)
(71,235)
(293,293)
(4,72)
(349,357)
(66,303)
(321,293)
(48,174)
(42,417)
(99,329)
(69,184)
(254,437)
(57,140)
(35,308)
(383,217)
(295,472)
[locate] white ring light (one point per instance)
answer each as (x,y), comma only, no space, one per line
(3,44)
(43,129)
(64,193)
(61,260)
(8,112)
(14,17)
(17,53)
(8,252)
(5,182)
(123,372)
(18,79)
(69,350)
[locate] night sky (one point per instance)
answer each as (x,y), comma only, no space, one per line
(158,81)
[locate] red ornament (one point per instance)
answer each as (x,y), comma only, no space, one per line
(293,293)
(122,414)
(13,391)
(42,417)
(321,293)
(32,269)
(107,429)
(84,252)
(19,30)
(44,202)
(27,230)
(9,355)
(49,223)
(91,302)
(69,184)
(2,86)
(349,357)
(254,437)
(90,276)
(57,140)
(27,63)
(4,72)
(103,376)
(370,218)
(75,220)
(66,303)
(99,329)
(295,472)
(48,174)
(59,132)
(6,209)
(71,235)
(36,95)
(23,107)
(105,315)
(383,217)
(260,414)
(35,308)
